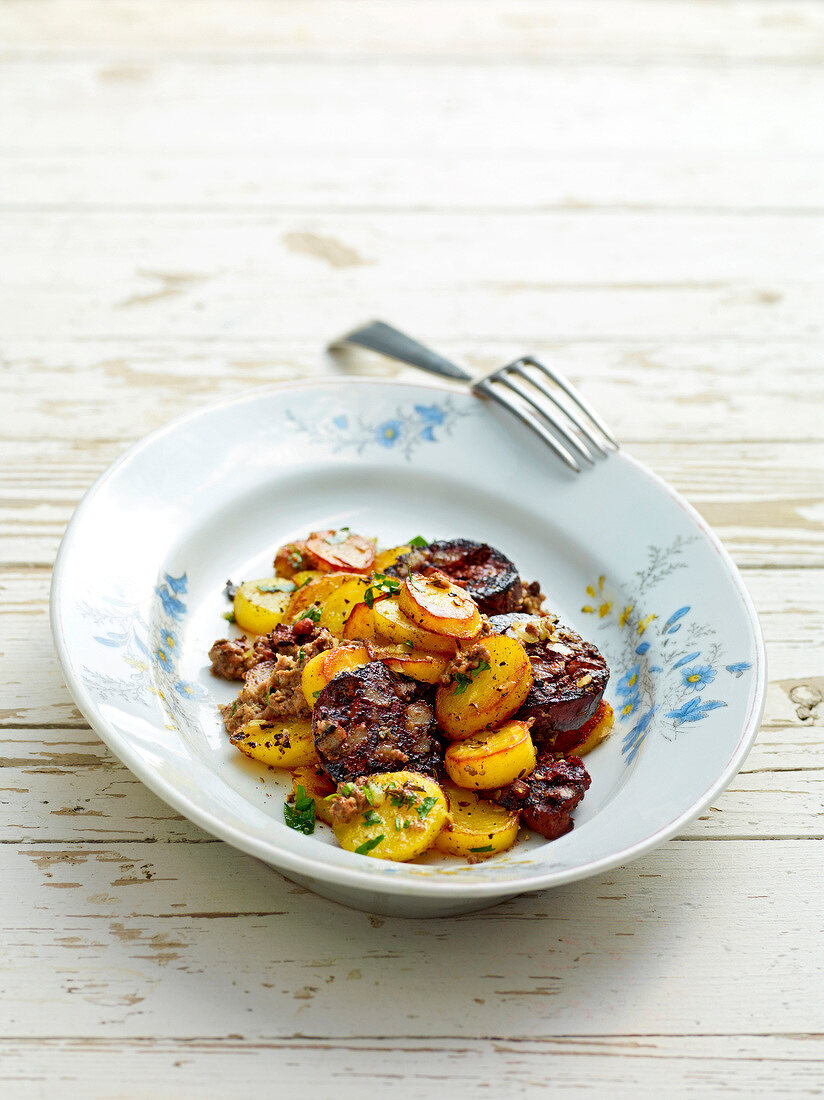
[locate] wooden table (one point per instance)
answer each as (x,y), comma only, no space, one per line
(193,197)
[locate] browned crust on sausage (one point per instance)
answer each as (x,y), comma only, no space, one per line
(370,720)
(546,798)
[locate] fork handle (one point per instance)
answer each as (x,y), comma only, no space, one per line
(389,341)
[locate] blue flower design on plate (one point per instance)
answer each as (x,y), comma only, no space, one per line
(626,686)
(171,604)
(738,669)
(389,432)
(668,660)
(694,710)
(697,677)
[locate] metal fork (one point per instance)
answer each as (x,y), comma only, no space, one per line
(537,405)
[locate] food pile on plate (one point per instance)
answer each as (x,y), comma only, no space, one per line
(420,695)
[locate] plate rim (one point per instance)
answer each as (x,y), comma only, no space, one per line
(287,860)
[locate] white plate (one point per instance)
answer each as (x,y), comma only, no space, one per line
(137,599)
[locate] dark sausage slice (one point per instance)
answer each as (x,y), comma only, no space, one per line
(547,797)
(369,720)
(489,577)
(570,677)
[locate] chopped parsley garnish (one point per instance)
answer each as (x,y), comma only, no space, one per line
(234,707)
(372,818)
(315,694)
(300,655)
(426,805)
(418,542)
(345,789)
(372,794)
(368,845)
(464,679)
(312,613)
(276,586)
(301,816)
(488,848)
(401,799)
(381,586)
(229,616)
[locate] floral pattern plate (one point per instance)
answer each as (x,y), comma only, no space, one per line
(137,599)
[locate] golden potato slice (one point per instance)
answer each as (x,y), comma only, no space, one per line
(260,605)
(318,786)
(438,604)
(320,669)
(589,736)
(492,760)
(361,626)
(306,575)
(388,557)
(393,625)
(400,818)
(476,828)
(339,605)
(427,668)
(341,550)
(485,697)
(285,743)
(312,596)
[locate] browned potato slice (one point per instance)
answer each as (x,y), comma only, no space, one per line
(394,626)
(476,829)
(438,604)
(388,557)
(285,743)
(260,605)
(428,668)
(486,696)
(321,668)
(361,625)
(314,594)
(401,819)
(341,551)
(581,741)
(493,759)
(339,605)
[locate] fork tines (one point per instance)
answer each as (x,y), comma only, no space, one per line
(553,412)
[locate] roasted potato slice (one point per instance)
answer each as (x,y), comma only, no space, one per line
(260,605)
(394,626)
(324,666)
(581,741)
(339,604)
(476,828)
(493,759)
(286,743)
(318,786)
(385,558)
(437,604)
(400,815)
(427,668)
(315,594)
(361,625)
(488,695)
(341,551)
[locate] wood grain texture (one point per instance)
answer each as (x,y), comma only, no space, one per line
(563,32)
(193,196)
(173,940)
(693,1066)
